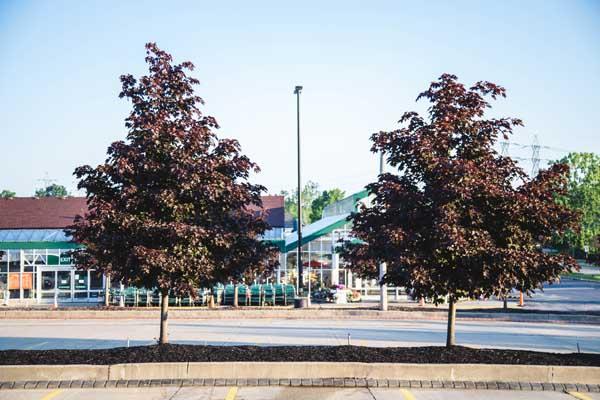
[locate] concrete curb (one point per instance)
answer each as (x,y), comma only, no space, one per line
(304,370)
(317,382)
(195,313)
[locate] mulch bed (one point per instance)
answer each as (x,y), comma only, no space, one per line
(194,353)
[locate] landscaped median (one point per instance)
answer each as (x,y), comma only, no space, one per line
(458,367)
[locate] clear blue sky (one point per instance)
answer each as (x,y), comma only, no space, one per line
(362,65)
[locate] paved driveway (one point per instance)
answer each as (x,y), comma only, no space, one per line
(53,334)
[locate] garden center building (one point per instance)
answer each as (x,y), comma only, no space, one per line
(320,244)
(35,264)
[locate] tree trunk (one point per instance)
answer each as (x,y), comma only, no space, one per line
(505,303)
(451,337)
(107,291)
(164,315)
(235,295)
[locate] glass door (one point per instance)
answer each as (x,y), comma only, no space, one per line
(80,281)
(64,284)
(47,283)
(57,281)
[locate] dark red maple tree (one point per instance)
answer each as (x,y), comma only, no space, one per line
(459,220)
(171,206)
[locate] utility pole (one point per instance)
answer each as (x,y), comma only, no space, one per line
(300,268)
(383,298)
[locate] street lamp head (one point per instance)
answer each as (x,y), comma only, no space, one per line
(298,89)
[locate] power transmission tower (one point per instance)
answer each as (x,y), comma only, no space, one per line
(504,148)
(535,157)
(46,180)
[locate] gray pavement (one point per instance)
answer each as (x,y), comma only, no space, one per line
(287,393)
(570,295)
(99,333)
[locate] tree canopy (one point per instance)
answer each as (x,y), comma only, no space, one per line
(583,195)
(458,220)
(326,198)
(52,190)
(313,201)
(172,206)
(7,194)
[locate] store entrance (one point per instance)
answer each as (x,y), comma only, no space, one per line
(68,285)
(54,281)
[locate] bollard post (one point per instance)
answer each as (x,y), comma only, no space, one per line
(521,302)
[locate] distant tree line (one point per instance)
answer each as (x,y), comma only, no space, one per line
(53,190)
(313,201)
(583,195)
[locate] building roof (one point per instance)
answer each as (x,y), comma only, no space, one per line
(274,210)
(40,213)
(316,230)
(58,213)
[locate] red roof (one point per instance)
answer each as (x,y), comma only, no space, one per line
(40,213)
(54,212)
(274,208)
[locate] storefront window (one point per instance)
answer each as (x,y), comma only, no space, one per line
(14,261)
(40,257)
(27,283)
(292,259)
(326,277)
(95,280)
(64,280)
(80,280)
(4,262)
(28,256)
(326,245)
(48,280)
(3,284)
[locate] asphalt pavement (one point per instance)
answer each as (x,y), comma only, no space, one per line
(101,333)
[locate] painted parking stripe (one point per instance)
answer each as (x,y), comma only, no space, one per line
(407,395)
(580,396)
(231,393)
(52,394)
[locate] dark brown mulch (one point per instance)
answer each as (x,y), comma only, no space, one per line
(183,353)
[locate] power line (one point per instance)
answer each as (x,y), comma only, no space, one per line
(535,147)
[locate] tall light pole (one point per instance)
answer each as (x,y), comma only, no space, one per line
(383,300)
(300,268)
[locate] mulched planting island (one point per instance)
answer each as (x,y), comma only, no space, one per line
(193,353)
